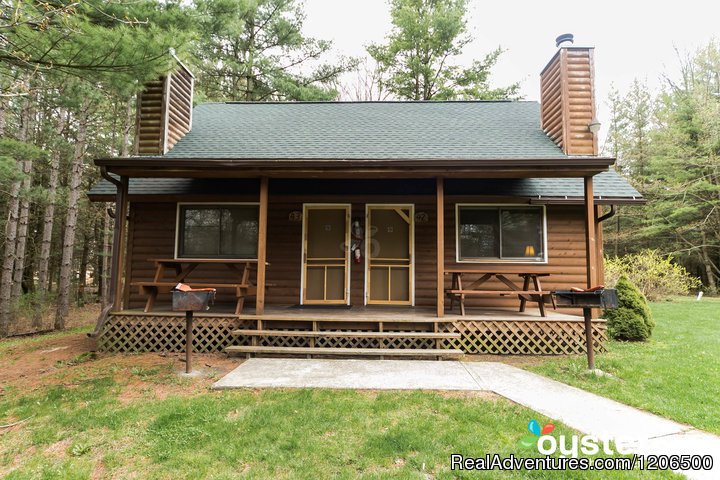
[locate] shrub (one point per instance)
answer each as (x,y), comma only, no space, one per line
(655,275)
(632,320)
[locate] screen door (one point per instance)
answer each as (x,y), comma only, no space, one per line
(389,253)
(325,254)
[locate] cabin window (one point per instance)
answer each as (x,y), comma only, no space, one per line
(217,231)
(500,233)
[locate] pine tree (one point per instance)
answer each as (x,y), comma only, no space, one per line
(256,51)
(420,57)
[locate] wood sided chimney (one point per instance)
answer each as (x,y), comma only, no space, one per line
(164,112)
(567,98)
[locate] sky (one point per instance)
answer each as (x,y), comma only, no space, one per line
(632,38)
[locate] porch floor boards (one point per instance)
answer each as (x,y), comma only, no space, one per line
(362,314)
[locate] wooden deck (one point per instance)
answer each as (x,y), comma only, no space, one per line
(364,314)
(480,331)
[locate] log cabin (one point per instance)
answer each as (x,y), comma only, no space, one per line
(383,229)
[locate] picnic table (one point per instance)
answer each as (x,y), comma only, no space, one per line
(181,268)
(529,273)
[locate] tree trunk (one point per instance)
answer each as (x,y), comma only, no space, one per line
(54,272)
(708,265)
(617,233)
(125,147)
(3,108)
(24,211)
(7,301)
(49,215)
(6,305)
(82,277)
(31,254)
(66,263)
(97,241)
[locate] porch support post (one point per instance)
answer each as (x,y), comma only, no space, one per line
(440,193)
(590,236)
(118,248)
(115,289)
(600,272)
(591,263)
(262,247)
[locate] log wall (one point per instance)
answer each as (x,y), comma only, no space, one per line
(152,235)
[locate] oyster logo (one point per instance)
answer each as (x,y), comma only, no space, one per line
(529,441)
(572,446)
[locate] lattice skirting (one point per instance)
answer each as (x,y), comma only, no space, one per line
(163,333)
(535,337)
(347,341)
(149,333)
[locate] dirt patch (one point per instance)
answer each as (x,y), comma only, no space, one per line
(157,377)
(484,394)
(28,364)
(98,470)
(17,461)
(39,361)
(59,449)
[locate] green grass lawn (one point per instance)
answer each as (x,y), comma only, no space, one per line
(133,417)
(676,374)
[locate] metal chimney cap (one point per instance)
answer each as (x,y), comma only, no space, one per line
(564,38)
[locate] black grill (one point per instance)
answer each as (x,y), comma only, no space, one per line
(603,298)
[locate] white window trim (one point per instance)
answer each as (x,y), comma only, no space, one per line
(500,260)
(177,227)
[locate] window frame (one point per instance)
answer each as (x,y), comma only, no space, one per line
(179,208)
(499,206)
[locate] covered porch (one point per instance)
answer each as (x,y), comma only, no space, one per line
(275,300)
(292,231)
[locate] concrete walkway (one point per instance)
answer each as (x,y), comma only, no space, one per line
(586,412)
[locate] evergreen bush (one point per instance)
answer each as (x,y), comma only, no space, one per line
(632,320)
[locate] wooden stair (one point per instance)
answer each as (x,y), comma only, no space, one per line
(332,333)
(382,352)
(345,335)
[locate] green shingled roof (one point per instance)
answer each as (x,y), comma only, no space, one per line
(608,186)
(372,130)
(367,130)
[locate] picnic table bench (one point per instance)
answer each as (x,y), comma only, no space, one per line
(529,273)
(182,267)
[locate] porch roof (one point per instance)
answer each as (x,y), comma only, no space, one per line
(610,188)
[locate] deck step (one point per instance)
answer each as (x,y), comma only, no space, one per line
(342,317)
(386,352)
(341,334)
(498,292)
